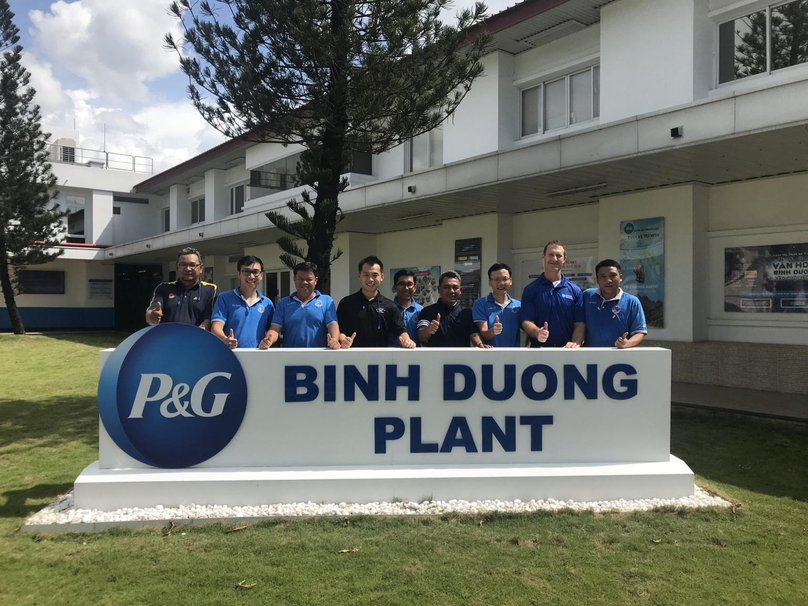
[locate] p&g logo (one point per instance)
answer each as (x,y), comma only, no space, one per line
(172,395)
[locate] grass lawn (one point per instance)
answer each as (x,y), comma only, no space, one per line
(757,554)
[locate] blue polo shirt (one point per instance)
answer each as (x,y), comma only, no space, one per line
(608,320)
(510,316)
(249,322)
(560,306)
(409,316)
(305,324)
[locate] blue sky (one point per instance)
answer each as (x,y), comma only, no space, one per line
(97,63)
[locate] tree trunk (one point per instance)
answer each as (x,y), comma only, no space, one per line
(8,293)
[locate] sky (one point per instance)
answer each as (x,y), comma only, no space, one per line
(101,63)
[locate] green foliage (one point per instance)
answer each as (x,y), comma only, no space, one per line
(28,226)
(336,76)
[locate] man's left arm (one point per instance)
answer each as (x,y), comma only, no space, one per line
(637,328)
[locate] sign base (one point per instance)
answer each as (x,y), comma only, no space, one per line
(112,489)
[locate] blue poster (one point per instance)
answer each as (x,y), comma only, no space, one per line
(642,257)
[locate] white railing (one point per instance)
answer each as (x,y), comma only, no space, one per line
(100,159)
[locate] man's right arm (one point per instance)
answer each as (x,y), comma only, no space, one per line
(271,337)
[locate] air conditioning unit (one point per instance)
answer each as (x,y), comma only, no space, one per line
(65,150)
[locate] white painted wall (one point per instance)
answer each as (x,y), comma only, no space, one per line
(473,130)
(676,204)
(647,56)
(263,153)
(77,274)
(390,164)
(135,222)
(98,219)
(217,196)
(76,175)
(180,210)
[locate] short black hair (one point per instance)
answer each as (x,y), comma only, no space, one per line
(371,260)
(307,266)
(249,260)
(402,273)
(497,267)
(608,263)
(449,273)
(188,250)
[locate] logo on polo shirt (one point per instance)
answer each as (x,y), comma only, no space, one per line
(260,309)
(567,296)
(172,395)
(318,303)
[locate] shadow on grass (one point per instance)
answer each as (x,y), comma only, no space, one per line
(30,425)
(24,502)
(767,456)
(99,339)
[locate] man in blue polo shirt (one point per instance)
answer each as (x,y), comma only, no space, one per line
(552,306)
(241,316)
(498,316)
(306,318)
(404,287)
(614,318)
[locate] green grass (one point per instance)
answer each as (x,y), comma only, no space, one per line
(757,554)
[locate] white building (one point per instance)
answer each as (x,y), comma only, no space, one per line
(590,113)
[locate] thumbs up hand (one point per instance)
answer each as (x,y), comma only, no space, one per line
(434,325)
(155,314)
(497,327)
(544,333)
(347,341)
(331,342)
(230,340)
(622,341)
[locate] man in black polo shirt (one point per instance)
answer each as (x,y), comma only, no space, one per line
(188,300)
(366,318)
(447,323)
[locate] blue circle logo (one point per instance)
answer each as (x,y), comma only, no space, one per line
(172,395)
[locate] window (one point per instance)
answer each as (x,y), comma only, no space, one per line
(165,217)
(424,151)
(764,41)
(198,211)
(41,282)
(116,210)
(237,195)
(561,103)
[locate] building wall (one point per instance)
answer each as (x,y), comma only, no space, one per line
(646,56)
(73,309)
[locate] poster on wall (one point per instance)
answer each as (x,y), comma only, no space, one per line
(99,290)
(766,279)
(426,283)
(642,257)
(468,259)
(580,269)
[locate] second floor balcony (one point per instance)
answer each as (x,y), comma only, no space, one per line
(66,154)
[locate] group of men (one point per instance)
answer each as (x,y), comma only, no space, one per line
(554,312)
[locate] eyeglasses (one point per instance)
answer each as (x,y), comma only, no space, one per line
(251,272)
(188,265)
(405,285)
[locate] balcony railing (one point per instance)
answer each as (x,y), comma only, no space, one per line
(100,159)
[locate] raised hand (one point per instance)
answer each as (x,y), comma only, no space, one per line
(347,341)
(497,327)
(331,342)
(231,340)
(622,341)
(156,314)
(434,325)
(544,334)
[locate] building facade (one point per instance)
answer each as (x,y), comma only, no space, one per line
(686,115)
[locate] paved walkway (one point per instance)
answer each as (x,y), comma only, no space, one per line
(749,401)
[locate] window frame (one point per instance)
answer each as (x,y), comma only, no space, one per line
(233,189)
(165,219)
(200,210)
(408,149)
(542,84)
(746,12)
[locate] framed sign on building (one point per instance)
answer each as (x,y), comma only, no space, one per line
(766,279)
(642,257)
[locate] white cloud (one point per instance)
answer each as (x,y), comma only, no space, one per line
(50,96)
(115,46)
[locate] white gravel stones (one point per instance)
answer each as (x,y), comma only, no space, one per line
(61,511)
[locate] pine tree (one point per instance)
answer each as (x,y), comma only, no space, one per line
(29,225)
(337,76)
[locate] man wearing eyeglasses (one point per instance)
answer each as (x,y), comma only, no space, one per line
(498,316)
(404,287)
(241,316)
(189,300)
